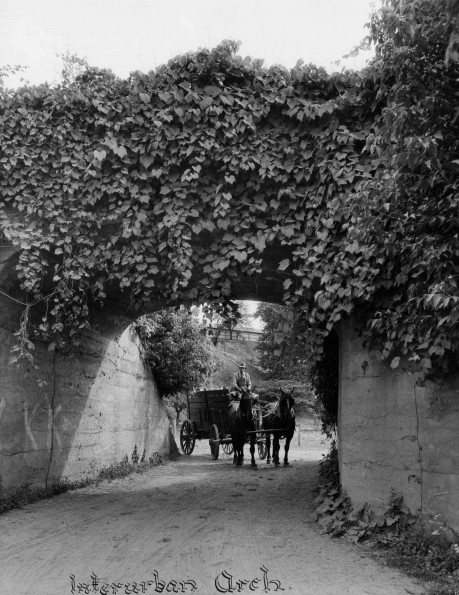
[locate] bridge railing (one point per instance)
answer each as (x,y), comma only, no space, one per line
(222,334)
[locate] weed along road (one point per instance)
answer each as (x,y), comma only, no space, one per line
(193,525)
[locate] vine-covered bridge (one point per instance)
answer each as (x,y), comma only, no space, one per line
(213,179)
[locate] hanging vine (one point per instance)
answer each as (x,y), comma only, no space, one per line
(177,182)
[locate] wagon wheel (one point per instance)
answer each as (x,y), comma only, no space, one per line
(187,437)
(214,446)
(262,450)
(228,448)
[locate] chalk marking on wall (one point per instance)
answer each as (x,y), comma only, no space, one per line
(52,427)
(56,431)
(28,429)
(2,408)
(105,448)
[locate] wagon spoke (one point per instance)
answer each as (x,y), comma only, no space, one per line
(187,437)
(262,451)
(227,447)
(214,443)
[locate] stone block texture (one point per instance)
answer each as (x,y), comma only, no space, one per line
(394,433)
(74,415)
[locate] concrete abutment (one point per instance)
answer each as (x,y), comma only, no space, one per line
(72,416)
(396,433)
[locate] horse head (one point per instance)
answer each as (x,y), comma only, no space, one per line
(285,406)
(242,408)
(245,403)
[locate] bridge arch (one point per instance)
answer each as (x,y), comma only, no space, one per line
(213,179)
(384,416)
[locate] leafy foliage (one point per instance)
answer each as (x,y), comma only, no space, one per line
(324,378)
(178,182)
(337,516)
(329,466)
(409,219)
(178,402)
(452,51)
(72,66)
(415,543)
(234,314)
(178,353)
(282,347)
(8,70)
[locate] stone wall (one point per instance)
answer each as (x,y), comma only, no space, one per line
(396,434)
(73,416)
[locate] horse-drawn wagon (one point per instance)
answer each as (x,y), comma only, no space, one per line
(208,418)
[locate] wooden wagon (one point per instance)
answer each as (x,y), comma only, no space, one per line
(208,419)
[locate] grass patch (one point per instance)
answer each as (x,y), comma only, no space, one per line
(28,494)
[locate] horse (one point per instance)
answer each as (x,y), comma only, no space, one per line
(281,420)
(241,421)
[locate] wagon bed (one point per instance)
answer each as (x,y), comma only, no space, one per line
(208,418)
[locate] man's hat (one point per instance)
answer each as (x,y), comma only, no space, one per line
(242,365)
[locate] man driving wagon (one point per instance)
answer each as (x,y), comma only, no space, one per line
(241,383)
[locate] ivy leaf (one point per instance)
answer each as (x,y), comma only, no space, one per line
(227,99)
(395,363)
(100,155)
(240,256)
(145,97)
(283,264)
(146,160)
(121,151)
(221,264)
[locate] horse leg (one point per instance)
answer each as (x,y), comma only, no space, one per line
(268,448)
(234,443)
(240,454)
(253,439)
(287,446)
(276,448)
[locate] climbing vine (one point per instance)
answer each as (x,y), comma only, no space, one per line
(324,379)
(409,214)
(179,181)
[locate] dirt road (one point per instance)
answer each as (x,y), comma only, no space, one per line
(195,525)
